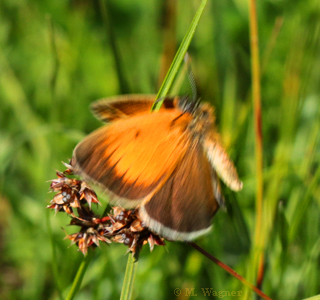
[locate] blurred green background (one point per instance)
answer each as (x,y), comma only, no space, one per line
(56,57)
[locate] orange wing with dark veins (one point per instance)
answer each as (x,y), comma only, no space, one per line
(133,157)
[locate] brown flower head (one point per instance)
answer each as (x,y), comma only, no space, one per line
(120,226)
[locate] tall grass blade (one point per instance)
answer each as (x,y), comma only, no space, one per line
(168,80)
(257,250)
(129,276)
(80,274)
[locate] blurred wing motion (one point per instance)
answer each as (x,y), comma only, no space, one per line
(111,109)
(166,163)
(221,163)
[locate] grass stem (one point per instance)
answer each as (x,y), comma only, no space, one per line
(168,80)
(129,276)
(257,253)
(81,271)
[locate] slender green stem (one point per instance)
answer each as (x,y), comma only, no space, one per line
(129,276)
(256,97)
(165,87)
(257,263)
(81,271)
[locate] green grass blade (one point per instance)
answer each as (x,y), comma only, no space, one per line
(129,276)
(256,271)
(165,87)
(78,279)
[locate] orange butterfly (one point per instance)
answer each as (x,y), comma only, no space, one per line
(165,163)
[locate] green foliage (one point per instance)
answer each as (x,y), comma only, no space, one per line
(56,57)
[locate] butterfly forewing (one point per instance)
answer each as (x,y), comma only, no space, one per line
(129,160)
(111,109)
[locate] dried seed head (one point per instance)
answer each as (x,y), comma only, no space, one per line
(120,226)
(87,193)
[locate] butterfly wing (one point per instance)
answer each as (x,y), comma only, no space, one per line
(221,162)
(131,157)
(183,207)
(111,109)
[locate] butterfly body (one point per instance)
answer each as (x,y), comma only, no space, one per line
(159,162)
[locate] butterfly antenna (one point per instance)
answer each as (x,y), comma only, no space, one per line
(191,78)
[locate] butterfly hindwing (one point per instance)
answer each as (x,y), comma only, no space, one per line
(183,207)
